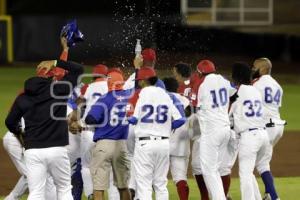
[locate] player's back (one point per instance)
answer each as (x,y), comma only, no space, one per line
(248,109)
(93,92)
(154,112)
(213,102)
(271,93)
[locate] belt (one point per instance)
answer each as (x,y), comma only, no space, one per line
(153,138)
(252,129)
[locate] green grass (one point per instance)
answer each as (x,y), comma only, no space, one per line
(12,79)
(288,189)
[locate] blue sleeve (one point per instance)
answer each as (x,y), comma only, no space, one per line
(97,112)
(160,84)
(177,104)
(90,120)
(132,120)
(178,123)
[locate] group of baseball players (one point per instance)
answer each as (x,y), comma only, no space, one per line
(123,135)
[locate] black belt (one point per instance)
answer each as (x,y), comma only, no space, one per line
(254,129)
(154,137)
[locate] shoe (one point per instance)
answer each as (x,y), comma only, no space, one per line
(228,197)
(9,197)
(267,197)
(91,197)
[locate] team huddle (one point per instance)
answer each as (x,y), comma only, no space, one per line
(124,135)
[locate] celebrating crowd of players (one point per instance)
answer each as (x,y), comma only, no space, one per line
(123,136)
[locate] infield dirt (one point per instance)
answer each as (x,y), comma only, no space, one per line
(285,163)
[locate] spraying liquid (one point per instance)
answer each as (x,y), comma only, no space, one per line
(138,48)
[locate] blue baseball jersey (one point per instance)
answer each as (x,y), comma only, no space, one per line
(109,116)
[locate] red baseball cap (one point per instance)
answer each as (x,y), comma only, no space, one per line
(149,55)
(100,70)
(206,67)
(145,73)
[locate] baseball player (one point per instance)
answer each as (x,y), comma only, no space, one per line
(111,131)
(82,138)
(16,151)
(213,103)
(146,59)
(247,112)
(271,93)
(179,144)
(45,138)
(154,118)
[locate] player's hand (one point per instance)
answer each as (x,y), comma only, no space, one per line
(138,62)
(46,65)
(64,43)
(75,127)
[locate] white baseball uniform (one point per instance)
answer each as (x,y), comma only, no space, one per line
(247,113)
(151,154)
(180,147)
(271,93)
(213,103)
(15,152)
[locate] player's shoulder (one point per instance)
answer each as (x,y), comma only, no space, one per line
(266,80)
(248,90)
(184,100)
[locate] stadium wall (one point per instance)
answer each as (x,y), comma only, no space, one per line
(36,38)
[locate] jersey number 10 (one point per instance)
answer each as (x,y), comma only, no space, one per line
(219,98)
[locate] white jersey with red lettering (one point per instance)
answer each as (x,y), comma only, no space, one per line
(213,102)
(271,93)
(154,111)
(247,109)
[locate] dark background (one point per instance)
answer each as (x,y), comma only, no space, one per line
(112,27)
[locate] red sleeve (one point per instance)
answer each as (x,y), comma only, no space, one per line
(83,89)
(132,102)
(64,55)
(195,84)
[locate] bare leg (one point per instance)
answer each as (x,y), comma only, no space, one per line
(124,194)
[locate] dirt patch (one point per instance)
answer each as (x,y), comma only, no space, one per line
(286,162)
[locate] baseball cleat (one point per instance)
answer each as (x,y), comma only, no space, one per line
(267,197)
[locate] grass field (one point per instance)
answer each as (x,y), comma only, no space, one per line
(288,189)
(12,79)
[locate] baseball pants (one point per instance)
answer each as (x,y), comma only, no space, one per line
(274,134)
(211,145)
(178,168)
(253,145)
(15,152)
(151,165)
(53,160)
